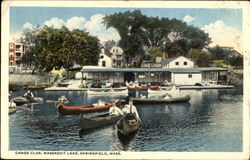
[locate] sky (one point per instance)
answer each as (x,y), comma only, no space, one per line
(224,26)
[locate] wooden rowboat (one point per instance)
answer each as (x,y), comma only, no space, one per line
(142,88)
(160,101)
(97,121)
(128,124)
(74,110)
(23,100)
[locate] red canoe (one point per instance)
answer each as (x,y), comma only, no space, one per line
(143,88)
(74,110)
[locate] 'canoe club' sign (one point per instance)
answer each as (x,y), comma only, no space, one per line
(151,65)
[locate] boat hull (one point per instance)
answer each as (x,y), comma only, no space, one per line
(125,129)
(160,101)
(97,122)
(102,92)
(22,100)
(142,88)
(75,110)
(12,110)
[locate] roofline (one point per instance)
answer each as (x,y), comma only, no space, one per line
(173,70)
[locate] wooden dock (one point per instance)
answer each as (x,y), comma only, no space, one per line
(101,89)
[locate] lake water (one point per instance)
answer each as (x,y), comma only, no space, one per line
(211,121)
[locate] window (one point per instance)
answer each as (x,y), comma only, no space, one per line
(101,56)
(176,63)
(185,63)
(103,63)
(189,75)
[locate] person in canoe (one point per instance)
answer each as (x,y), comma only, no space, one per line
(130,108)
(29,95)
(114,110)
(10,95)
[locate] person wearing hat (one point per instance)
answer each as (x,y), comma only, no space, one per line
(114,110)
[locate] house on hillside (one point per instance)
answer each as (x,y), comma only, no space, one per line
(112,58)
(177,62)
(105,59)
(117,56)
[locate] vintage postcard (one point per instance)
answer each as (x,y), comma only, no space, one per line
(125,80)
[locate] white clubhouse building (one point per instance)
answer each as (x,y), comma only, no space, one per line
(179,71)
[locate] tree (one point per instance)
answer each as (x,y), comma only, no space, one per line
(28,38)
(128,25)
(217,53)
(155,52)
(236,61)
(200,58)
(62,48)
(171,35)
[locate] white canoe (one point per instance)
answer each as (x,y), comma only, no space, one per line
(108,91)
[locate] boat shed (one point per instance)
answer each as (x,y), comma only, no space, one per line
(182,76)
(216,74)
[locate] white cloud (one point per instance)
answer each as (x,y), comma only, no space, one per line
(15,36)
(75,23)
(188,18)
(224,35)
(55,22)
(27,25)
(96,28)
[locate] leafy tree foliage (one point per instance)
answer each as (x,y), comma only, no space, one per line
(201,59)
(62,48)
(236,61)
(155,52)
(170,35)
(218,53)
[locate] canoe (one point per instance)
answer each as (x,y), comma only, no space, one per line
(12,110)
(128,124)
(12,107)
(142,88)
(97,121)
(160,101)
(22,100)
(75,110)
(107,91)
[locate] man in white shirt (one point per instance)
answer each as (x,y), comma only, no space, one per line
(114,110)
(130,108)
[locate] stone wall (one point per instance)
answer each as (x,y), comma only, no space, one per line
(30,79)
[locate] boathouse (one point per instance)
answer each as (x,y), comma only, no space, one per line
(179,76)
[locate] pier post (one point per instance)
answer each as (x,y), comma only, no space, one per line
(82,79)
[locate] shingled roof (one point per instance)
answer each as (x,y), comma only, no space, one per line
(106,51)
